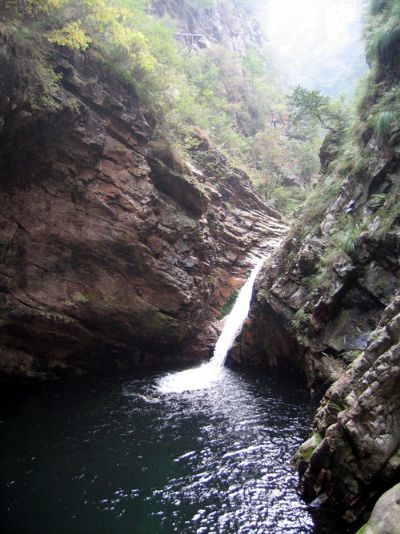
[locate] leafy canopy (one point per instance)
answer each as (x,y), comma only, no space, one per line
(305,104)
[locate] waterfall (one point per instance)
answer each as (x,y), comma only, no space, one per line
(235,319)
(206,375)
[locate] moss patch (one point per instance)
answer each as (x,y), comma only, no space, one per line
(80,297)
(307,448)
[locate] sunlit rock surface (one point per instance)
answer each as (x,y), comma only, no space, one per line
(385,516)
(200,26)
(113,254)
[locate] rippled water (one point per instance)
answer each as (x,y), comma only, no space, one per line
(118,456)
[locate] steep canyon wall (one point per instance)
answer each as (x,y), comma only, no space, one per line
(113,254)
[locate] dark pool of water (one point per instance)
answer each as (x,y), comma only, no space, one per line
(116,456)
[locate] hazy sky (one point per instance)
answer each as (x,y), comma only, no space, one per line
(305,34)
(310,21)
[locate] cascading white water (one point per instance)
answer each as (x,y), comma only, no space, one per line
(207,374)
(235,319)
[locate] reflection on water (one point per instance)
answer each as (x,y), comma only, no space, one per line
(119,456)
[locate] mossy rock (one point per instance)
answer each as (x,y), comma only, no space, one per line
(307,448)
(80,297)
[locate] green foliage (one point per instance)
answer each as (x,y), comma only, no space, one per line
(70,35)
(282,167)
(364,94)
(339,246)
(351,158)
(300,323)
(376,109)
(227,94)
(318,282)
(300,319)
(384,115)
(80,297)
(389,213)
(382,124)
(39,78)
(227,307)
(255,65)
(318,200)
(347,232)
(383,34)
(351,355)
(113,25)
(306,157)
(46,102)
(377,6)
(309,105)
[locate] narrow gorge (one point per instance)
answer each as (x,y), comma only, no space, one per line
(153,157)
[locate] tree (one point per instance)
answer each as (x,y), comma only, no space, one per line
(254,64)
(312,105)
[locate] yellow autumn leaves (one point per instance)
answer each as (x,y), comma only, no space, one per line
(109,23)
(71,35)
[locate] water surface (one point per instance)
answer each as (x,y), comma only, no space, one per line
(116,455)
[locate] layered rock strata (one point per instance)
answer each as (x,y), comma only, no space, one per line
(354,453)
(112,253)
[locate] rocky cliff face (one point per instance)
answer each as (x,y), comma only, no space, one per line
(113,253)
(340,326)
(354,453)
(326,288)
(316,311)
(201,26)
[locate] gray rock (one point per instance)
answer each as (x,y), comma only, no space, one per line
(385,517)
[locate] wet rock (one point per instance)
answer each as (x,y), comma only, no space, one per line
(349,331)
(329,150)
(307,258)
(304,453)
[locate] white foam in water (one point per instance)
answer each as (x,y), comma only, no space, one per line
(201,377)
(208,374)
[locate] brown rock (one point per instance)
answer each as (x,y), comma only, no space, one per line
(109,257)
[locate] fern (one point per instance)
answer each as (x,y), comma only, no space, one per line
(300,319)
(318,282)
(383,124)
